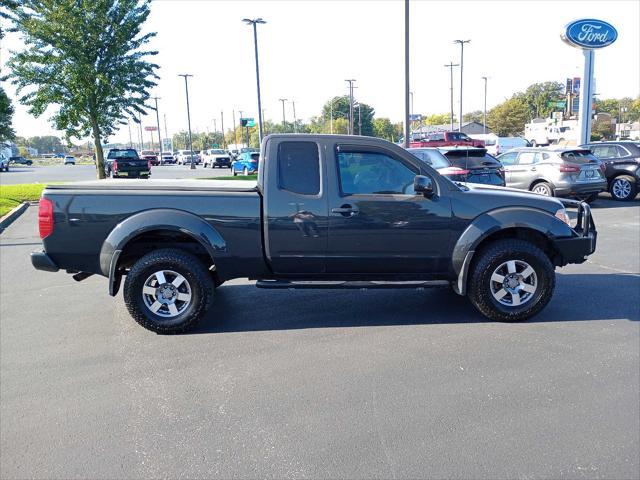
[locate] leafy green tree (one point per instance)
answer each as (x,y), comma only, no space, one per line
(6,114)
(45,144)
(508,118)
(538,96)
(633,111)
(475,116)
(85,58)
(383,128)
(437,119)
(341,110)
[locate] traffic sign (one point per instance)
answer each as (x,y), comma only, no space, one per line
(416,117)
(247,122)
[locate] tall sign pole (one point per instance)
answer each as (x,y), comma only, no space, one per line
(407,87)
(588,35)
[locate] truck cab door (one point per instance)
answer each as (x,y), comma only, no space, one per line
(377,223)
(295,208)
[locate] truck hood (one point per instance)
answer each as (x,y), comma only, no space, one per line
(509,197)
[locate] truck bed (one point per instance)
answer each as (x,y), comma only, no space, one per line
(86,213)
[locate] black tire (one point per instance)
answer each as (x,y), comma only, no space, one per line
(488,259)
(198,278)
(543,188)
(623,188)
(235,173)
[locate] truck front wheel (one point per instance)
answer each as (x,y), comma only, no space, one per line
(168,291)
(511,280)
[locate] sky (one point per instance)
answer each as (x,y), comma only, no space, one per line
(308,48)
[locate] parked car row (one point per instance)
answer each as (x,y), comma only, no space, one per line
(578,172)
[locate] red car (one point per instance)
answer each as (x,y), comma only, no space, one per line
(150,156)
(445,139)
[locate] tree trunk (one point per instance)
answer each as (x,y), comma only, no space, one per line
(97,141)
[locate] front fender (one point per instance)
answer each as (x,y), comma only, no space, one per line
(500,219)
(161,219)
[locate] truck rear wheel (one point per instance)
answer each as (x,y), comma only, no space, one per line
(512,280)
(168,291)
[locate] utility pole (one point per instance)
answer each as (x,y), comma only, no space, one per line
(255,22)
(166,132)
(140,131)
(284,125)
(359,121)
(411,110)
(450,66)
(224,141)
(350,82)
(331,117)
(295,120)
(130,139)
(158,124)
(406,74)
(186,88)
(235,130)
(485,105)
(461,42)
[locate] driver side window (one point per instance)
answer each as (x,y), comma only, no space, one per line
(368,173)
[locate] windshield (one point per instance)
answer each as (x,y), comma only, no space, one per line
(471,159)
(431,157)
(578,156)
(123,154)
(255,156)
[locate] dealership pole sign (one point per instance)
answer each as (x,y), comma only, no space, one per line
(588,35)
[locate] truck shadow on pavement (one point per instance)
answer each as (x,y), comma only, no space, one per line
(244,308)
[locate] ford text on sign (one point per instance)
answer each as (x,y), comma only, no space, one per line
(589,34)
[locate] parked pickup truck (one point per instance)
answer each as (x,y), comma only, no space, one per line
(445,139)
(326,212)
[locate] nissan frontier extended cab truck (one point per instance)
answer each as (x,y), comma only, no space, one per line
(327,211)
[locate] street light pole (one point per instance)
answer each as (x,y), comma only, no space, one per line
(411,110)
(158,124)
(224,142)
(295,120)
(407,128)
(186,89)
(450,67)
(255,22)
(359,120)
(331,117)
(485,106)
(350,81)
(284,124)
(461,42)
(130,140)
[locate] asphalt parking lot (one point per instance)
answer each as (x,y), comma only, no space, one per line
(324,384)
(77,173)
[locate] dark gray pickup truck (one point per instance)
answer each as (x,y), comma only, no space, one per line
(327,212)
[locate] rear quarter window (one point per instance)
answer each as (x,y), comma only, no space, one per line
(299,167)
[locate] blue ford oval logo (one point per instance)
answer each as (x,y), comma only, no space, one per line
(589,34)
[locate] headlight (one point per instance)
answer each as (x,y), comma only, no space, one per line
(564,216)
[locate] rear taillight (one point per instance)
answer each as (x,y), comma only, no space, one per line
(45,217)
(115,166)
(569,168)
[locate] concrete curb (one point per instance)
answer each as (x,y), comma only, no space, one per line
(12,215)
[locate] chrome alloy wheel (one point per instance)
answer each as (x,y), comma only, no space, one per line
(513,283)
(166,293)
(541,189)
(621,188)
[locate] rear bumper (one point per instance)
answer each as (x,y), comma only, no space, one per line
(577,248)
(41,261)
(574,189)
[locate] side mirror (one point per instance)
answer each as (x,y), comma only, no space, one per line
(423,185)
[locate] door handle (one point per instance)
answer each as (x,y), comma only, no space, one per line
(346,211)
(533,169)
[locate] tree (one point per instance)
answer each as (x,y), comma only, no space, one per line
(383,128)
(341,110)
(46,144)
(538,96)
(6,114)
(508,118)
(84,57)
(437,119)
(475,116)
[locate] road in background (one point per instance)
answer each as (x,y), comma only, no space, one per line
(323,384)
(78,173)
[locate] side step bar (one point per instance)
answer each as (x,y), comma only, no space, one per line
(363,285)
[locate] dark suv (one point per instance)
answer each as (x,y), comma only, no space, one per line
(125,162)
(622,167)
(474,165)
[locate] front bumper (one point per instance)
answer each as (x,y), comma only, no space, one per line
(577,248)
(41,261)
